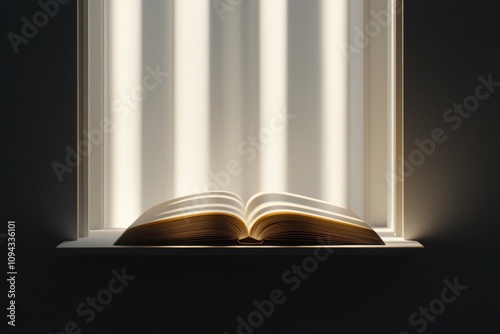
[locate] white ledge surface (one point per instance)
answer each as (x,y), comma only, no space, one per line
(106,237)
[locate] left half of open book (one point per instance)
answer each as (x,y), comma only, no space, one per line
(220,218)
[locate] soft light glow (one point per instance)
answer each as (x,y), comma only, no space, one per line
(227,79)
(392,162)
(273,94)
(123,110)
(191,96)
(357,109)
(225,102)
(335,125)
(380,127)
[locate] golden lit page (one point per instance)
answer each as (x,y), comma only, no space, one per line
(263,204)
(216,202)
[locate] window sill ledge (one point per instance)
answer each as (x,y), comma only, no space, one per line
(100,242)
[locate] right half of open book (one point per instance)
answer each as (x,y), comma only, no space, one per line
(221,218)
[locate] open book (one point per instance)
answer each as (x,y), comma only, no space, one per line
(221,218)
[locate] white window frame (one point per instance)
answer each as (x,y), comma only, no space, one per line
(91,104)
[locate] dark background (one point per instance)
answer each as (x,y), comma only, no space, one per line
(452,204)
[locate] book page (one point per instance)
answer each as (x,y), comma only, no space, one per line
(215,202)
(263,204)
